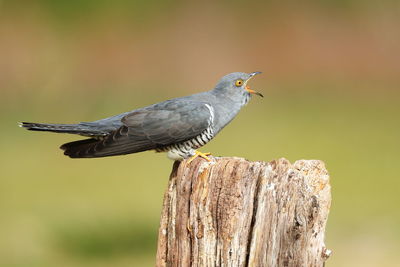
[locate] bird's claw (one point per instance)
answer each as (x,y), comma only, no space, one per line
(199,154)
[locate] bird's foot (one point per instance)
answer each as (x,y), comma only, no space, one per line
(199,154)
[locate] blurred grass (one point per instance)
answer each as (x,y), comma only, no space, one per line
(106,239)
(332,92)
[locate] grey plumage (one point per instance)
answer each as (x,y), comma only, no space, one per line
(177,126)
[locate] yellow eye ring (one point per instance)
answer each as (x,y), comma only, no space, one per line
(239,82)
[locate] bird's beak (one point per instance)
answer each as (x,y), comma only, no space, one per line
(248,88)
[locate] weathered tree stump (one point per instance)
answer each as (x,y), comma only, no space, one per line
(233,212)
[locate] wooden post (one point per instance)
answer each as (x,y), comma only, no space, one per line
(233,212)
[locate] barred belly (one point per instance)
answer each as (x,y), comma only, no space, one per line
(186,149)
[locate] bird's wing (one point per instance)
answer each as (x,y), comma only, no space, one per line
(159,125)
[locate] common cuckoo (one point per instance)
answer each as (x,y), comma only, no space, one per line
(178,126)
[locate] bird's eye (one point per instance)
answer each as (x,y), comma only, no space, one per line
(239,82)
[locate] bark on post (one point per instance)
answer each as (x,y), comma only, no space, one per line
(233,212)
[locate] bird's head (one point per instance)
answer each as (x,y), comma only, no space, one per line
(236,82)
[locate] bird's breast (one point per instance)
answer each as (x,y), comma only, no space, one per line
(186,148)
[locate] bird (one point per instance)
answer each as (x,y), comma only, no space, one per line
(177,126)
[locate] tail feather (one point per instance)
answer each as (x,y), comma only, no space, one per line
(113,144)
(78,149)
(95,148)
(103,143)
(63,128)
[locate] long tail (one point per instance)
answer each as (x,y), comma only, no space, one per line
(64,128)
(118,142)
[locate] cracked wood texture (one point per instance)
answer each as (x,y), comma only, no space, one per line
(234,212)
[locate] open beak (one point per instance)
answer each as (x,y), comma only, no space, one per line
(248,88)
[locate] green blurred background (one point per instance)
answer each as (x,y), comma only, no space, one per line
(331,78)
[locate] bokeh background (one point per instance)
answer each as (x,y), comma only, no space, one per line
(331,80)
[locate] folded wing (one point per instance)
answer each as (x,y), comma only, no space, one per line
(153,127)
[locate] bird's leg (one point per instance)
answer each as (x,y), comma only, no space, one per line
(199,154)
